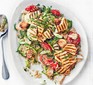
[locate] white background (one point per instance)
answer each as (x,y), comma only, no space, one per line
(83,9)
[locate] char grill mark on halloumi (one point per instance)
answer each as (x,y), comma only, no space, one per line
(35,14)
(41,37)
(63,69)
(48,34)
(40,29)
(60,56)
(70,48)
(33,32)
(62,26)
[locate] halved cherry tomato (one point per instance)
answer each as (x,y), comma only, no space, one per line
(41,58)
(55,12)
(49,62)
(54,66)
(46,46)
(73,41)
(29,54)
(45,60)
(31,8)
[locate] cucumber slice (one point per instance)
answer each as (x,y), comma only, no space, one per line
(23,48)
(45,51)
(24,40)
(57,35)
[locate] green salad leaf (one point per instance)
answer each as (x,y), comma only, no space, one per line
(69,23)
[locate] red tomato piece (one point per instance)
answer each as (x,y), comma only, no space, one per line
(46,46)
(41,58)
(31,8)
(73,41)
(54,65)
(55,12)
(49,62)
(45,60)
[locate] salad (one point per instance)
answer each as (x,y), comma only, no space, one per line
(47,37)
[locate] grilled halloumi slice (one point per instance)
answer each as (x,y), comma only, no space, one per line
(40,29)
(66,61)
(67,69)
(41,37)
(45,35)
(59,55)
(63,69)
(68,64)
(26,16)
(70,48)
(33,32)
(35,14)
(62,26)
(48,34)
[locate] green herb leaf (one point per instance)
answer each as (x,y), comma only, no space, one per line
(69,55)
(38,4)
(22,33)
(69,23)
(46,9)
(28,63)
(53,28)
(53,41)
(15,26)
(55,73)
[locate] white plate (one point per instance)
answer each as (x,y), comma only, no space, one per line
(19,62)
